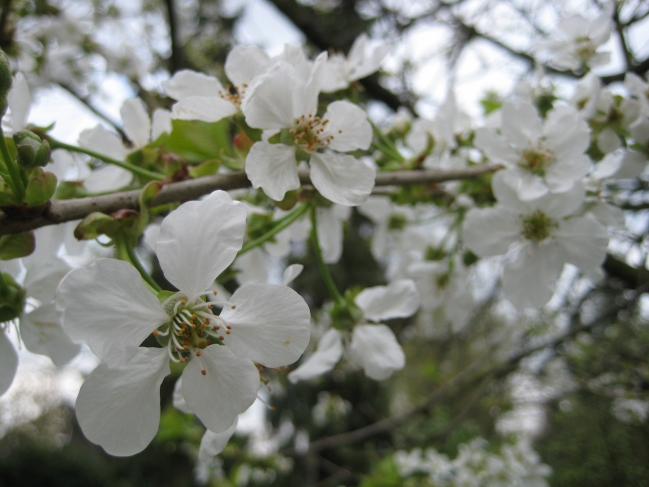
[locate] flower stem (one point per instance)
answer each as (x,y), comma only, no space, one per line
(324,270)
(282,223)
(17,185)
(126,253)
(55,144)
(388,147)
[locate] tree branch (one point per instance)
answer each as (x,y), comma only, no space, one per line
(60,211)
(176,61)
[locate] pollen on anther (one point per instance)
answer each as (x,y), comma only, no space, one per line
(155,333)
(204,372)
(221,337)
(214,292)
(198,353)
(227,332)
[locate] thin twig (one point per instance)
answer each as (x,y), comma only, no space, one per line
(60,211)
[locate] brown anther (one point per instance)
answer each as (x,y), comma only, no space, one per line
(234,306)
(221,337)
(228,327)
(214,292)
(186,347)
(198,353)
(209,342)
(183,302)
(227,332)
(204,372)
(209,306)
(216,327)
(155,333)
(194,317)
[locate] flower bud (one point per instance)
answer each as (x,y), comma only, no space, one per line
(12,299)
(32,151)
(41,187)
(5,82)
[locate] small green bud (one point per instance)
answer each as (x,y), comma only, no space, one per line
(32,151)
(41,187)
(6,81)
(12,299)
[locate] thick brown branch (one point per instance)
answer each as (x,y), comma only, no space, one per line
(60,211)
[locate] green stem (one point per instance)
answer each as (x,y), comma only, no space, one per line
(126,253)
(389,145)
(324,270)
(4,289)
(388,152)
(281,225)
(17,185)
(55,144)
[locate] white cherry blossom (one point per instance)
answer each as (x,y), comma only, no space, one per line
(539,157)
(108,306)
(372,347)
(284,103)
(539,237)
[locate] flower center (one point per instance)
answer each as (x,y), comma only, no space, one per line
(192,327)
(536,160)
(234,94)
(308,134)
(584,48)
(537,226)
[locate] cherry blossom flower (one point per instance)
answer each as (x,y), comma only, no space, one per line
(373,347)
(203,97)
(284,103)
(539,157)
(577,40)
(539,236)
(108,306)
(341,71)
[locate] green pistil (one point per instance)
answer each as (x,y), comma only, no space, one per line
(536,161)
(537,226)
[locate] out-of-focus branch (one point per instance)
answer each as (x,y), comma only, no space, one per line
(60,211)
(176,58)
(5,37)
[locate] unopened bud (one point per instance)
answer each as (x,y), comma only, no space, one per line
(32,151)
(12,299)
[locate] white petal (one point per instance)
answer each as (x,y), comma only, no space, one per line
(273,168)
(19,100)
(521,124)
(495,147)
(348,126)
(204,108)
(137,123)
(399,299)
(270,324)
(253,267)
(269,103)
(107,306)
(107,178)
(43,276)
(376,350)
(103,141)
(160,123)
(529,279)
(8,363)
(119,408)
(341,178)
(330,234)
(228,388)
(584,242)
(178,399)
(244,63)
(291,272)
(187,83)
(199,240)
(42,333)
(490,231)
(214,443)
(330,349)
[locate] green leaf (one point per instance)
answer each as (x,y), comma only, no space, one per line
(16,246)
(197,142)
(206,169)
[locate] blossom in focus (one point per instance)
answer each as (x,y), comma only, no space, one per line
(539,237)
(108,306)
(372,347)
(283,102)
(540,157)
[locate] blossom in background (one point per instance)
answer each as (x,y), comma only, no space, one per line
(361,61)
(140,130)
(373,347)
(575,45)
(539,237)
(539,157)
(283,102)
(108,306)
